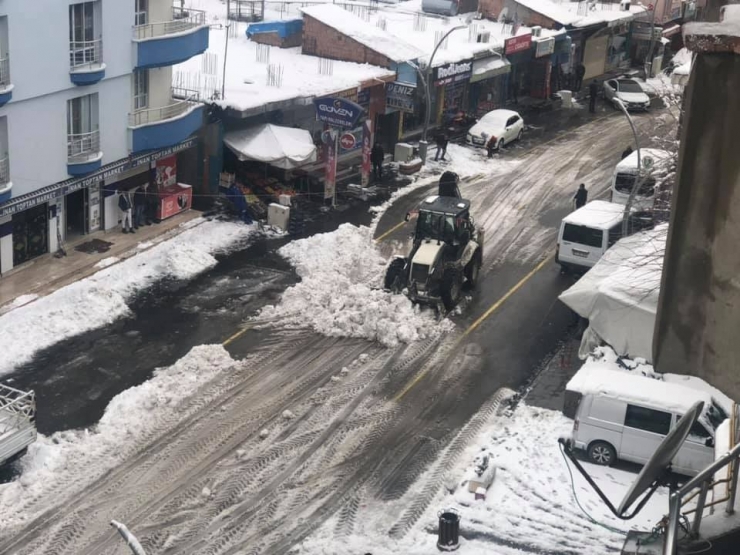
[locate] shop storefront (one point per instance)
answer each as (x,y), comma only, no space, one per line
(640,39)
(450,85)
(541,67)
(488,84)
(561,60)
(400,107)
(594,53)
(519,53)
(618,47)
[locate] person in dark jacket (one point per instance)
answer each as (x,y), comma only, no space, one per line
(377,155)
(124,205)
(626,152)
(580,72)
(152,203)
(581,196)
(593,91)
(491,146)
(139,206)
(441,140)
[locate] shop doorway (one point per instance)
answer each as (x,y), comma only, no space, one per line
(386,130)
(75,213)
(30,234)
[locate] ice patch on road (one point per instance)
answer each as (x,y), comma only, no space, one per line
(102,298)
(340,293)
(58,466)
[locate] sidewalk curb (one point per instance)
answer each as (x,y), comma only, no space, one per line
(87,271)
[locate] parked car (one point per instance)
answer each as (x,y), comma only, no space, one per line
(655,164)
(626,416)
(628,91)
(504,126)
(587,233)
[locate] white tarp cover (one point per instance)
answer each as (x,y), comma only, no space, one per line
(282,147)
(619,295)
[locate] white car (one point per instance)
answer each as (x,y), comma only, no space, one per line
(503,126)
(628,91)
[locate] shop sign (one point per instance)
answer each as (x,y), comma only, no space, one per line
(643,33)
(400,96)
(367,139)
(544,47)
(338,112)
(454,72)
(347,141)
(517,44)
(59,190)
(167,171)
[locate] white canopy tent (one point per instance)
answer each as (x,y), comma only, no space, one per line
(619,295)
(282,147)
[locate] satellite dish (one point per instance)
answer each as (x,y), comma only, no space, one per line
(658,464)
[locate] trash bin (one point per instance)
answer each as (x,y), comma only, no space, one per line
(567,97)
(448,538)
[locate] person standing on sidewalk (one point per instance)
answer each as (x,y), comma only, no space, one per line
(581,196)
(593,90)
(580,72)
(139,206)
(152,202)
(441,146)
(124,205)
(377,156)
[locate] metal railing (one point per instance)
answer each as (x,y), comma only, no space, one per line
(184,100)
(182,20)
(5,71)
(4,178)
(81,146)
(85,53)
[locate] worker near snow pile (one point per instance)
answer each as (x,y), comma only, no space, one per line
(581,196)
(626,152)
(377,155)
(580,72)
(593,90)
(441,140)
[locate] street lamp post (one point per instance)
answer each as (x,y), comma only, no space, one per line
(226,53)
(638,180)
(427,119)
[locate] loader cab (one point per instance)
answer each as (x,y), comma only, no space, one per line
(444,219)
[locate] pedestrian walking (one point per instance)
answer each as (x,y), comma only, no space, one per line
(593,90)
(581,196)
(139,206)
(491,146)
(124,205)
(626,152)
(377,156)
(441,140)
(580,72)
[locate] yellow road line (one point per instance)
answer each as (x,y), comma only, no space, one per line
(494,307)
(391,230)
(237,335)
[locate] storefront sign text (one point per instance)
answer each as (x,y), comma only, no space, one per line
(347,141)
(544,47)
(59,190)
(454,72)
(400,96)
(338,112)
(517,44)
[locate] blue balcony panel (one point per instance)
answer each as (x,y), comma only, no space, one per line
(6,94)
(167,132)
(85,77)
(6,191)
(171,50)
(84,167)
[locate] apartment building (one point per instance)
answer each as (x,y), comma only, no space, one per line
(87,109)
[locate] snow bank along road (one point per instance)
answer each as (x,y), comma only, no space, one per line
(305,426)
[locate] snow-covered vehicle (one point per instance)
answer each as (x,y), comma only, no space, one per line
(628,91)
(17,422)
(447,250)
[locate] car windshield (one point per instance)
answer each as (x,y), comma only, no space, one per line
(432,225)
(629,87)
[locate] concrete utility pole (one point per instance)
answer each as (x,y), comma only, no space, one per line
(697,321)
(638,179)
(427,78)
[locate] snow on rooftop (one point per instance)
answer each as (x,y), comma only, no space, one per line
(555,11)
(371,36)
(604,12)
(598,214)
(296,76)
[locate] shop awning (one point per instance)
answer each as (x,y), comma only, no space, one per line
(671,30)
(282,147)
(489,67)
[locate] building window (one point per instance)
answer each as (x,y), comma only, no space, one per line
(82,125)
(141,89)
(141,15)
(83,46)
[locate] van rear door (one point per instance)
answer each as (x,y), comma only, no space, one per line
(581,245)
(694,455)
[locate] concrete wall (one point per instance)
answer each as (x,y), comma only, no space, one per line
(159,10)
(160,84)
(326,42)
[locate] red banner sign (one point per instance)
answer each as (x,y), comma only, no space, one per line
(367,146)
(167,171)
(330,172)
(174,199)
(517,44)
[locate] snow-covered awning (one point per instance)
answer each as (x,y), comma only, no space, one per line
(489,67)
(619,295)
(282,147)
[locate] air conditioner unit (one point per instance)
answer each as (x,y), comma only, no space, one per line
(403,152)
(625,5)
(485,36)
(536,31)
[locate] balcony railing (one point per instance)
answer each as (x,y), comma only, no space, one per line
(182,20)
(183,100)
(83,146)
(85,53)
(4,171)
(5,71)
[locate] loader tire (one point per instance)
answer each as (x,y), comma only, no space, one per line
(472,270)
(452,282)
(395,277)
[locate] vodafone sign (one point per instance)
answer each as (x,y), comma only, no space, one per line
(348,141)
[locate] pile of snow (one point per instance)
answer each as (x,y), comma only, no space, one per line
(58,466)
(17,303)
(682,60)
(340,293)
(101,298)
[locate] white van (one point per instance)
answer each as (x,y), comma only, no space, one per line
(654,162)
(586,234)
(626,416)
